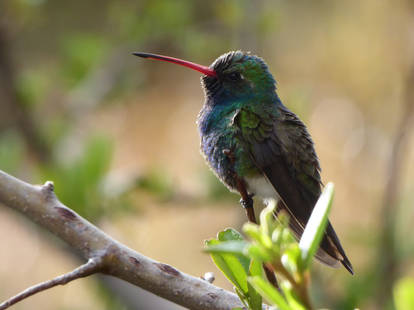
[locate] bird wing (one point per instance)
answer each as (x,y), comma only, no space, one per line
(282,149)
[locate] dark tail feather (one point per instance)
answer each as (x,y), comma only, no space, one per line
(332,246)
(335,248)
(330,251)
(347,264)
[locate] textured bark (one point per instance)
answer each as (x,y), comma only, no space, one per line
(40,204)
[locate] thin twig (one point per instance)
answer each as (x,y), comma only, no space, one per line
(40,204)
(92,266)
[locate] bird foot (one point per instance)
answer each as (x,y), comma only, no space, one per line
(247,203)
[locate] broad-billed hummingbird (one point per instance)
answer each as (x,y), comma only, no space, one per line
(256,146)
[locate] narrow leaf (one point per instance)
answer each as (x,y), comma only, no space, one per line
(254,298)
(316,225)
(267,219)
(269,292)
(291,258)
(242,297)
(232,269)
(257,251)
(229,234)
(233,247)
(256,268)
(226,253)
(252,230)
(291,296)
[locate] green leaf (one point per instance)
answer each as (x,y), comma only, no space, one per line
(291,296)
(229,234)
(404,294)
(256,268)
(291,258)
(316,225)
(267,219)
(269,292)
(254,298)
(226,252)
(230,266)
(232,269)
(253,231)
(257,251)
(233,247)
(281,235)
(256,233)
(242,296)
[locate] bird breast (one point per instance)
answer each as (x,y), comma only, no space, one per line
(261,187)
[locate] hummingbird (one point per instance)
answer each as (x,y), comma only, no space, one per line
(256,146)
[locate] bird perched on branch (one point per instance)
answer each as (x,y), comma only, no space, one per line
(256,146)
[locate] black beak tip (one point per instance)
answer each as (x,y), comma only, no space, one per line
(143,55)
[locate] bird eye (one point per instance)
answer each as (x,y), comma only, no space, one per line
(235,76)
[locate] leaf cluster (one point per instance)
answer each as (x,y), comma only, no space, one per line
(271,244)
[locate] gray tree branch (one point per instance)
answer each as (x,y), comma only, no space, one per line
(40,204)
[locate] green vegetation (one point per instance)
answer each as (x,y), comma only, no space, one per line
(272,244)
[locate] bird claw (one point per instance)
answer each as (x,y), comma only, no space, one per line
(247,203)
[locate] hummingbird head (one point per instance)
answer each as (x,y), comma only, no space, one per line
(238,75)
(232,76)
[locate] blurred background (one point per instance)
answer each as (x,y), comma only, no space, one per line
(117,134)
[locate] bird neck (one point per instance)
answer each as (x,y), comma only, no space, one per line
(217,112)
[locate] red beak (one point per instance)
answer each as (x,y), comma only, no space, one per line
(203,69)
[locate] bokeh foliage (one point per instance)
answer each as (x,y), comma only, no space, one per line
(340,65)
